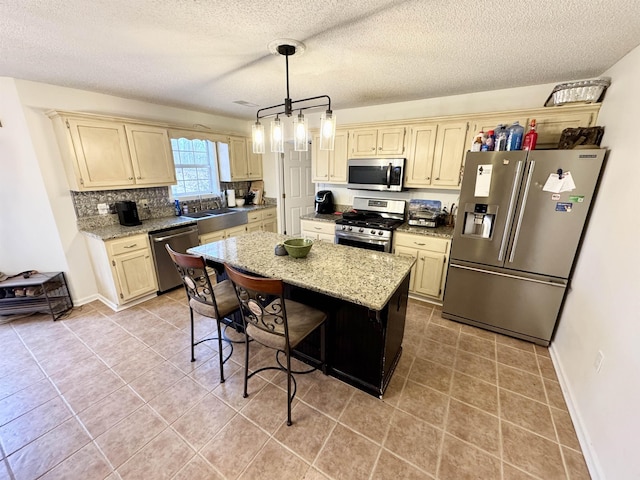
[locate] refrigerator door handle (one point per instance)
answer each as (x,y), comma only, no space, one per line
(522,208)
(512,201)
(517,277)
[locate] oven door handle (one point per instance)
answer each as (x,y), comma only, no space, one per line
(358,238)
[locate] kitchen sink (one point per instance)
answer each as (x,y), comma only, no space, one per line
(218,219)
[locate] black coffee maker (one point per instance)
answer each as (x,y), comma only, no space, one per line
(128,213)
(324,201)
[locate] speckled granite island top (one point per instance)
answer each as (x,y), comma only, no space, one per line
(357,275)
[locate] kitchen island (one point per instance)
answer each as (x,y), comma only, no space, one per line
(364,294)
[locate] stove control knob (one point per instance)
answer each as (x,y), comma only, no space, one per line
(361,230)
(380,232)
(373,232)
(350,228)
(343,227)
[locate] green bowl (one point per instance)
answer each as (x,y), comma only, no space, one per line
(298,247)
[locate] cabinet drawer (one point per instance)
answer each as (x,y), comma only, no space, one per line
(318,227)
(422,242)
(254,216)
(128,244)
(269,213)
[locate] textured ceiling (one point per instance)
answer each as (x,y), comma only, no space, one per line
(207,54)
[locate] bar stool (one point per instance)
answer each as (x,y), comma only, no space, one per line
(214,301)
(274,322)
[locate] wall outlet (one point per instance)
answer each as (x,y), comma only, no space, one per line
(103,208)
(144,203)
(597,363)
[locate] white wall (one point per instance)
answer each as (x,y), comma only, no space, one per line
(602,311)
(37,219)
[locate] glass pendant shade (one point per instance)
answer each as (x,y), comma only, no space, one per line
(277,136)
(327,130)
(300,134)
(257,134)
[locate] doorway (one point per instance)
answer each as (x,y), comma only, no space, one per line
(298,191)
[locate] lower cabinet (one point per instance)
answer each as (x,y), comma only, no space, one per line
(428,274)
(261,220)
(124,268)
(318,230)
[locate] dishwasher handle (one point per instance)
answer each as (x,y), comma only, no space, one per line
(180,234)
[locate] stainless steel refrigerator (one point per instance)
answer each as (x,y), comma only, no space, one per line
(520,220)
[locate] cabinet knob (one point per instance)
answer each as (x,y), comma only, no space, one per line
(373,148)
(139,178)
(437,178)
(379,148)
(130,178)
(428,178)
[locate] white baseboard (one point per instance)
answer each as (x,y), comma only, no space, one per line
(111,305)
(590,456)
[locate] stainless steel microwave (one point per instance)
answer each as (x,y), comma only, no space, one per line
(382,174)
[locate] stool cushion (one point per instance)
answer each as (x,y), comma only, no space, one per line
(302,320)
(225,298)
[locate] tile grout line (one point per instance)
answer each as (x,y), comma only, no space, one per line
(74,414)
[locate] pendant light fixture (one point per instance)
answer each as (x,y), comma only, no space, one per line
(288,48)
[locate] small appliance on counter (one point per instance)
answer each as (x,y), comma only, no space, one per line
(128,213)
(324,201)
(426,213)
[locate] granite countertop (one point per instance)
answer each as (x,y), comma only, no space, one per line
(111,232)
(321,217)
(443,232)
(357,275)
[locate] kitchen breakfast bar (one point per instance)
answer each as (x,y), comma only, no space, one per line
(364,294)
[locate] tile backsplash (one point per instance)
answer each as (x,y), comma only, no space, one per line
(158,198)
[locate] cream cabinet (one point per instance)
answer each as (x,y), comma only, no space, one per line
(237,161)
(377,142)
(222,234)
(124,269)
(330,166)
(101,153)
(318,230)
(551,125)
(270,220)
(436,153)
(431,254)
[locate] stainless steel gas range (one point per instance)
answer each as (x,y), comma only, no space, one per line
(371,223)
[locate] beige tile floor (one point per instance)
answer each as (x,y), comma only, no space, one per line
(114,395)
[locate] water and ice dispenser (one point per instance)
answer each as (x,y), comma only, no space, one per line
(479,220)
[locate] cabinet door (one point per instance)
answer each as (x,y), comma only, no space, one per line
(212,237)
(254,161)
(254,227)
(151,155)
(238,158)
(550,126)
(319,160)
(327,237)
(235,231)
(422,140)
(364,142)
(135,274)
(338,158)
(102,153)
(412,253)
(391,141)
(429,271)
(270,225)
(449,154)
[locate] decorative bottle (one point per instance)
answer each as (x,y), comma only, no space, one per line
(177,208)
(489,143)
(530,139)
(478,140)
(501,138)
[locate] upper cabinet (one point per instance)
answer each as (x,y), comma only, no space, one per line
(377,142)
(330,166)
(101,154)
(436,153)
(240,163)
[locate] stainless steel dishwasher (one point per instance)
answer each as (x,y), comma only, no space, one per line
(179,239)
